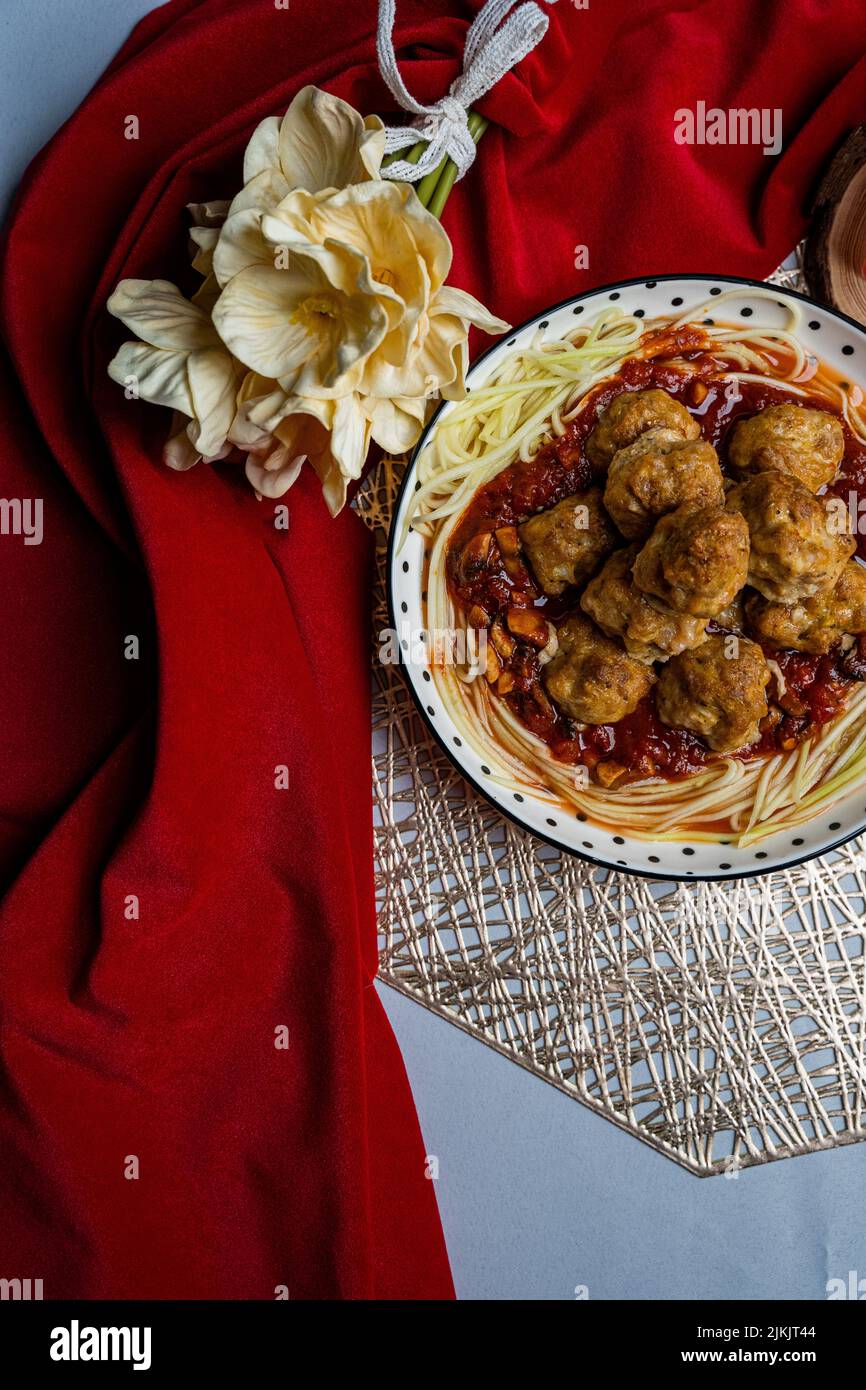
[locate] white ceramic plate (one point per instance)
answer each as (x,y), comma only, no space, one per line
(839,341)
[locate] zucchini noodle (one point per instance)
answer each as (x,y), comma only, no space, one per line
(531,398)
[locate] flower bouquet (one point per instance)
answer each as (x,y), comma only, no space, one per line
(323,319)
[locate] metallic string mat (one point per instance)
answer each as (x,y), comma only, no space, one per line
(723,1024)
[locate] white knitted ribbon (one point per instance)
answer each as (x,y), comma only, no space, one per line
(500,35)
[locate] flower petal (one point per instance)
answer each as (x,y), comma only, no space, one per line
(158,376)
(455,390)
(180,453)
(433,365)
(294,325)
(263,192)
(320,142)
(212,214)
(371,150)
(368,224)
(262,152)
(334,436)
(396,424)
(261,404)
(256,318)
(207,294)
(158,313)
(450,300)
(213,388)
(303,434)
(335,485)
(294,226)
(241,245)
(204,239)
(275,476)
(350,436)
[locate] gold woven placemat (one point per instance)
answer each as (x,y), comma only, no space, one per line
(723,1024)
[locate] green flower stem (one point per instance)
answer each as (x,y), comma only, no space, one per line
(427,187)
(439,197)
(439,182)
(411,158)
(443,187)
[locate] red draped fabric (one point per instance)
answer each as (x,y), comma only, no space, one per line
(147,1045)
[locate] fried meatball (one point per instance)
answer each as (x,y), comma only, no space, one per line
(716,690)
(809,444)
(799,543)
(591,678)
(813,624)
(567,544)
(733,617)
(658,473)
(650,631)
(695,561)
(632,414)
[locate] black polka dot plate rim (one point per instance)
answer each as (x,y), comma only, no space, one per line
(838,340)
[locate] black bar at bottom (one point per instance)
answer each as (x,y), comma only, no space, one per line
(154,1338)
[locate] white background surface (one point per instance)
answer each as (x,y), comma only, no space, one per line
(537,1195)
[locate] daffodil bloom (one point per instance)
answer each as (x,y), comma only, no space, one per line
(321,142)
(405,250)
(381,260)
(311,323)
(181,362)
(323,321)
(334,435)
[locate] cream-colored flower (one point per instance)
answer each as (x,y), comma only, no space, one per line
(261,405)
(408,251)
(179,362)
(437,357)
(321,142)
(334,435)
(207,219)
(405,249)
(323,320)
(395,424)
(310,324)
(380,261)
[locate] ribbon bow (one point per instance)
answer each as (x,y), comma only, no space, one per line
(493,48)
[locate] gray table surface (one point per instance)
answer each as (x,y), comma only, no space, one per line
(539,1198)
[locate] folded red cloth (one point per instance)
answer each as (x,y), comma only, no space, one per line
(154,1139)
